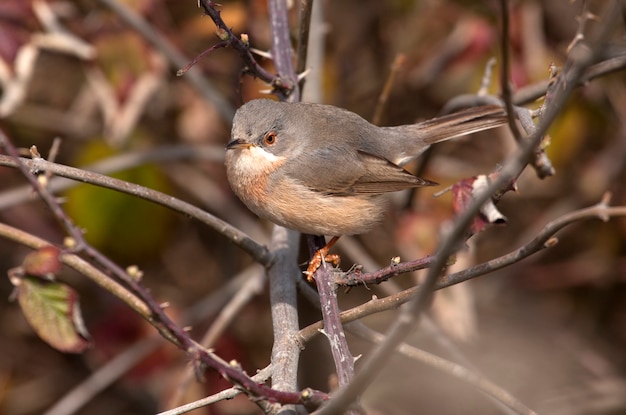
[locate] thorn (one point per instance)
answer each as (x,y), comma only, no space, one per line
(261,53)
(441,192)
(34,153)
(603,205)
(304,74)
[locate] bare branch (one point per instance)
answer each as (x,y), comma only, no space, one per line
(258,252)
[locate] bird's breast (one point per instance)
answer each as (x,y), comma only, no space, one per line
(249,172)
(272,194)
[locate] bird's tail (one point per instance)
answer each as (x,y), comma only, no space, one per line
(468,121)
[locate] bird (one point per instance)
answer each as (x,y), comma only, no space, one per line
(323,170)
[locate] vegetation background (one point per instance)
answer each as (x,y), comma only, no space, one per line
(550,329)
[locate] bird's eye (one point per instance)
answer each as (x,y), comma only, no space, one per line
(269,138)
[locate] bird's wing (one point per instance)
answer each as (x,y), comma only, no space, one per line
(349,173)
(383,176)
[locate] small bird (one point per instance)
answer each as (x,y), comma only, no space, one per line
(323,170)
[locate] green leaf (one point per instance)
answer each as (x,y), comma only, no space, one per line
(52,310)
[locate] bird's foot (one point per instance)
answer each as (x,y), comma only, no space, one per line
(320,256)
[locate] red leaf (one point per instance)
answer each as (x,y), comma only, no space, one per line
(44,262)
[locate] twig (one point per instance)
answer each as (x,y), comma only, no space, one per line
(584,17)
(283,87)
(543,240)
(384,94)
(261,376)
(111,370)
(505,74)
(535,91)
(354,278)
(541,163)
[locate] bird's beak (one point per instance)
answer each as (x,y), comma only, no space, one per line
(237,143)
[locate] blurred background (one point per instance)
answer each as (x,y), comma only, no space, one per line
(551,329)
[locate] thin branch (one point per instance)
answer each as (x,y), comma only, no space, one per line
(113,369)
(262,376)
(530,93)
(541,163)
(584,17)
(242,47)
(355,277)
(542,241)
(80,265)
(387,88)
(505,74)
(239,238)
(110,165)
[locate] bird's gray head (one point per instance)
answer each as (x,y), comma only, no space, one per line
(265,127)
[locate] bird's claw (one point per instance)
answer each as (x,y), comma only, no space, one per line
(320,256)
